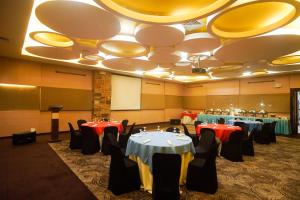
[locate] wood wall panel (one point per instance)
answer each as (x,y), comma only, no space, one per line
(295,81)
(20,72)
(173,113)
(173,89)
(71,99)
(152,87)
(152,101)
(13,98)
(274,102)
(173,101)
(194,102)
(265,85)
(14,121)
(222,88)
(65,77)
(222,101)
(196,89)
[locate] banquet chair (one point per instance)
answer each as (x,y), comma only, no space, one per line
(166,174)
(75,139)
(259,120)
(264,136)
(244,127)
(221,121)
(79,122)
(194,137)
(123,138)
(202,173)
(123,173)
(273,134)
(232,149)
(206,142)
(173,129)
(247,144)
(196,123)
(90,141)
(105,141)
(124,125)
(175,122)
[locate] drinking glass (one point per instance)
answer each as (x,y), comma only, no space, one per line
(158,128)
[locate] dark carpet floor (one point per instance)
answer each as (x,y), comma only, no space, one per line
(34,171)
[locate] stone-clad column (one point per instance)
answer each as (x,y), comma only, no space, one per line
(101,94)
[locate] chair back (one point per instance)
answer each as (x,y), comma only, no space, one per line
(124,125)
(131,128)
(196,123)
(221,121)
(166,174)
(273,134)
(186,130)
(236,137)
(72,131)
(259,120)
(90,140)
(244,127)
(117,158)
(79,122)
(207,138)
(173,129)
(110,130)
(175,122)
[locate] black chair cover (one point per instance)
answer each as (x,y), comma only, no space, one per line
(259,120)
(196,123)
(206,142)
(123,173)
(232,149)
(264,136)
(124,125)
(105,142)
(202,173)
(244,127)
(79,122)
(173,130)
(123,138)
(194,137)
(221,121)
(166,174)
(273,134)
(247,144)
(90,141)
(76,138)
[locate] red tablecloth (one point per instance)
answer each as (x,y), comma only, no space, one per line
(191,115)
(222,131)
(99,126)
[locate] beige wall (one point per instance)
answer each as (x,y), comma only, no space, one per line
(32,73)
(161,101)
(245,93)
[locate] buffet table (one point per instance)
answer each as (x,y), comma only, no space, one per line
(282,125)
(142,146)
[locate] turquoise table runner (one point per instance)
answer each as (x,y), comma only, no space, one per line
(282,125)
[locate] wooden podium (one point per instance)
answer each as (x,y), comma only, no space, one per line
(55,122)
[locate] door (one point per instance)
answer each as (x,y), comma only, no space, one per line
(295,111)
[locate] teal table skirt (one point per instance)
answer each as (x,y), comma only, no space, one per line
(282,125)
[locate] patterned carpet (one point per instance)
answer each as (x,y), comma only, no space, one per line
(274,173)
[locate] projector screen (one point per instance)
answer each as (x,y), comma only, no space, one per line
(125,93)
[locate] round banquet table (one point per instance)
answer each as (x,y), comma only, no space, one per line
(142,146)
(99,126)
(222,131)
(252,124)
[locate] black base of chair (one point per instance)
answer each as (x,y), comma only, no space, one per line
(76,141)
(23,138)
(247,147)
(202,176)
(232,152)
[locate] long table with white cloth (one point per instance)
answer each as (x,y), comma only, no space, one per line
(282,125)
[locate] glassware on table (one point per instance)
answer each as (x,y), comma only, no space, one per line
(174,130)
(158,128)
(141,130)
(144,129)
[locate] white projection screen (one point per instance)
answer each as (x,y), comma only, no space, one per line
(125,93)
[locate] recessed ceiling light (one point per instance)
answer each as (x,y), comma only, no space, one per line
(247,73)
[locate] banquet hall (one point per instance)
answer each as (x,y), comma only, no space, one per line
(163,100)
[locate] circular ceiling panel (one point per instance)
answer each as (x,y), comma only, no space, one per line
(93,57)
(77,19)
(53,52)
(123,46)
(52,39)
(128,64)
(211,62)
(254,49)
(165,12)
(198,42)
(284,68)
(251,18)
(87,62)
(287,60)
(159,35)
(164,58)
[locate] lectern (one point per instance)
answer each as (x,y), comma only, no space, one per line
(55,122)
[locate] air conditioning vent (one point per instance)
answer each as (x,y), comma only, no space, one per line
(198,70)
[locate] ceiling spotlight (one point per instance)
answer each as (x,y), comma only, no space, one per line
(247,73)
